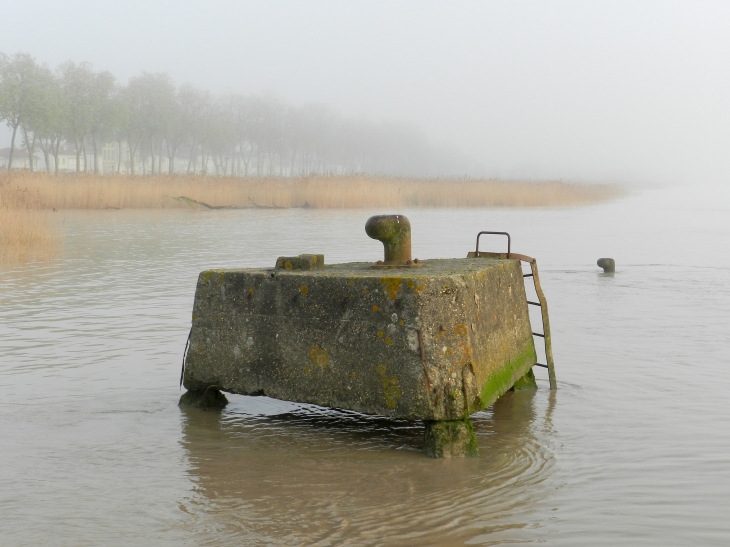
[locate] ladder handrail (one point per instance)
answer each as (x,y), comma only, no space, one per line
(545,323)
(509,240)
(540,296)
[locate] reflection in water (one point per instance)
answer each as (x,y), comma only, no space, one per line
(318,476)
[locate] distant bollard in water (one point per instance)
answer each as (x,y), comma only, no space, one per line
(608,265)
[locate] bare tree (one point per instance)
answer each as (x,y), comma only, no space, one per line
(116,115)
(156,96)
(131,101)
(47,117)
(195,105)
(19,91)
(101,108)
(221,138)
(77,84)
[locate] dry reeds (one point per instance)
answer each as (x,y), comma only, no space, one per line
(25,233)
(41,191)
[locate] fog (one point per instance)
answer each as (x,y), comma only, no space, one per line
(613,91)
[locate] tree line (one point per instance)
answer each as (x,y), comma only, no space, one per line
(151,118)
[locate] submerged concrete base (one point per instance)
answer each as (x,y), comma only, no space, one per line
(203,398)
(455,438)
(450,439)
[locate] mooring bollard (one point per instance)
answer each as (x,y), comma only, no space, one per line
(608,265)
(394,231)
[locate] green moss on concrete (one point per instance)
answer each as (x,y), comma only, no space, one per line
(503,379)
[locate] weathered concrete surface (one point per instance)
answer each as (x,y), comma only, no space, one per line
(437,342)
(301,262)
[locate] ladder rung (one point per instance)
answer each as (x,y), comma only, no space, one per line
(538,334)
(534,303)
(541,365)
(526,275)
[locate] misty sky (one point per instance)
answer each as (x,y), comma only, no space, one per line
(616,91)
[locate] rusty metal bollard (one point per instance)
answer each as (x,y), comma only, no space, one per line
(394,231)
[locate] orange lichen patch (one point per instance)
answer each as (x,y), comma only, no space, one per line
(304,290)
(419,289)
(287,265)
(461,330)
(392,286)
(410,284)
(401,322)
(319,357)
(391,389)
(375,308)
(389,340)
(380,334)
(250,292)
(466,352)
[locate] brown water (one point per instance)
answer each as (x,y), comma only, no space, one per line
(634,448)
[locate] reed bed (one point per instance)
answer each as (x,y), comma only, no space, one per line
(41,191)
(26,235)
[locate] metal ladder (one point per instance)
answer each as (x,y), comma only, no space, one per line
(542,302)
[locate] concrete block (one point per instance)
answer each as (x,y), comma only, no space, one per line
(437,342)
